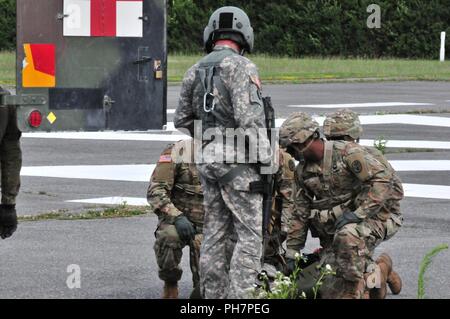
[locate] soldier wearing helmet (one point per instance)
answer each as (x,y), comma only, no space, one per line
(345,125)
(347,198)
(342,125)
(222,92)
(10,165)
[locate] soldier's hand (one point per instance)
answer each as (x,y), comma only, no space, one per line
(347,218)
(184,228)
(8,221)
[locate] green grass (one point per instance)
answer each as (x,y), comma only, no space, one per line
(120,211)
(426,263)
(288,70)
(7,68)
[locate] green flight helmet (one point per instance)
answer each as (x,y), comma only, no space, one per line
(297,129)
(229,23)
(342,123)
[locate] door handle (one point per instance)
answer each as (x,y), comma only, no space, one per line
(143,60)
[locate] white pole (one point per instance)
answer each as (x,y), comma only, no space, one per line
(442,46)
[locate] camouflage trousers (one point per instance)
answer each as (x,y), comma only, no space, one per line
(10,155)
(352,250)
(230,257)
(354,244)
(169,251)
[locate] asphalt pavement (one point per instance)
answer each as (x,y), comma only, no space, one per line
(116,257)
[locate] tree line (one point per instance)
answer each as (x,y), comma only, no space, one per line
(297,28)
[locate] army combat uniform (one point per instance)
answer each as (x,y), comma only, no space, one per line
(230,207)
(283,209)
(175,190)
(11,163)
(349,179)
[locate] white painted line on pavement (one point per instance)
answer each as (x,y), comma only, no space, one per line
(125,173)
(111,136)
(172,135)
(405,119)
(133,201)
(411,190)
(427,191)
(171,111)
(358,105)
(411,144)
(421,166)
(142,173)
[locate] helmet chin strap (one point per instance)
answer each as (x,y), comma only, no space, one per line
(307,147)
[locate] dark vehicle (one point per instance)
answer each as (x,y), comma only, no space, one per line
(91,65)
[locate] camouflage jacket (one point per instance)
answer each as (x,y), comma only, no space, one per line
(285,189)
(349,178)
(175,187)
(240,103)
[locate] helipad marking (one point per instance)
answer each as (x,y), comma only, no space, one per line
(411,144)
(358,105)
(411,190)
(111,136)
(126,173)
(133,201)
(142,173)
(421,166)
(427,191)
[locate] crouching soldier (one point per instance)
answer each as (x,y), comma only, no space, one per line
(346,197)
(176,196)
(344,125)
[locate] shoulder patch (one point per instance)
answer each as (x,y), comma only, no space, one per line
(357,167)
(165,159)
(255,79)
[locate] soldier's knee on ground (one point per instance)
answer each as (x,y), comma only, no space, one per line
(350,252)
(168,250)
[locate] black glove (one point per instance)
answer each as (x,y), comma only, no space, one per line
(184,228)
(347,218)
(291,264)
(8,220)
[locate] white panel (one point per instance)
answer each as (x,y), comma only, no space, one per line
(128,22)
(78,21)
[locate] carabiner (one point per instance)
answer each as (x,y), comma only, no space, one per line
(204,103)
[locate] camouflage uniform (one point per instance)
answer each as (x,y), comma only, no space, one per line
(283,208)
(230,207)
(345,125)
(11,164)
(348,179)
(174,190)
(10,155)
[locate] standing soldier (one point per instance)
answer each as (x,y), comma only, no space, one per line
(222,92)
(346,197)
(176,196)
(11,163)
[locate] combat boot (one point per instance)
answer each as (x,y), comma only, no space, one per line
(393,278)
(170,290)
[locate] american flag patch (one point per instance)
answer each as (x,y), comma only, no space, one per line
(165,159)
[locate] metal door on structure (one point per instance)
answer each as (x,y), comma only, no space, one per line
(93,64)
